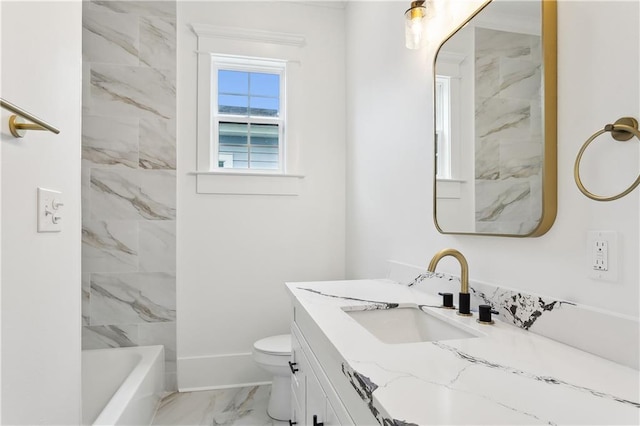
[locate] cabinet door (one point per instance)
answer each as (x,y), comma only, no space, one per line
(299,370)
(316,401)
(330,419)
(319,410)
(297,412)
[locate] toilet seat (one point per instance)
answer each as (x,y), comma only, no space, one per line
(275,345)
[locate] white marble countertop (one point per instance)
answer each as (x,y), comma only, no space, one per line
(505,376)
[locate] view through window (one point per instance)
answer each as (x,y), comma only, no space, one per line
(249,118)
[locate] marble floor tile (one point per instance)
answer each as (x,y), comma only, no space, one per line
(234,407)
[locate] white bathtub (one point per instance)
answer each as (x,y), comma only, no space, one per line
(121,386)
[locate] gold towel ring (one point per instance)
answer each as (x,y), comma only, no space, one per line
(622,130)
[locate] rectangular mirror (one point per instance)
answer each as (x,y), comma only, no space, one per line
(495,122)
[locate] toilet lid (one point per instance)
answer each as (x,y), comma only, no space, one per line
(274,345)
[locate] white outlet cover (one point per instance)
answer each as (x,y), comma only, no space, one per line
(611,238)
(47,212)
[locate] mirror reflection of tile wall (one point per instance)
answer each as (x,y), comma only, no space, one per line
(128,176)
(508,132)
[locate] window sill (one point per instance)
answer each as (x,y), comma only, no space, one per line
(449,188)
(450,180)
(242,183)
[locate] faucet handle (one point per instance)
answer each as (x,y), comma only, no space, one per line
(484,314)
(447,300)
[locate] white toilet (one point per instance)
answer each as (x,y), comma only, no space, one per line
(273,354)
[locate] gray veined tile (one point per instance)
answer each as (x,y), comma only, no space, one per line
(85,191)
(109,37)
(159,188)
(86,87)
(86,298)
(521,159)
(487,158)
(114,194)
(495,44)
(535,185)
(110,246)
(133,298)
(506,200)
(520,79)
(132,194)
(127,91)
(109,336)
(157,239)
(160,333)
(157,144)
(158,42)
(487,78)
(537,123)
(503,118)
(506,227)
(109,141)
(165,8)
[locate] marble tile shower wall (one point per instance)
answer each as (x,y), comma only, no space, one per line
(508,129)
(129,180)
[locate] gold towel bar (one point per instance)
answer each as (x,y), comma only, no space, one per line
(17,126)
(622,130)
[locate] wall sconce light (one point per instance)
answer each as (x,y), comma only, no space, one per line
(415,20)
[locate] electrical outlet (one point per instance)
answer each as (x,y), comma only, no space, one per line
(600,258)
(602,255)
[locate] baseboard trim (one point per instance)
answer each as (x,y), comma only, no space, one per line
(219,372)
(235,385)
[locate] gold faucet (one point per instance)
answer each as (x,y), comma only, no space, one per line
(464,296)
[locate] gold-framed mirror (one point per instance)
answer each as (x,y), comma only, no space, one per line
(495,122)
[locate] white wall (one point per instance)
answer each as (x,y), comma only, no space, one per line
(41,71)
(234,252)
(390,166)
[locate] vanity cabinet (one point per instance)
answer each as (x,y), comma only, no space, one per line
(311,405)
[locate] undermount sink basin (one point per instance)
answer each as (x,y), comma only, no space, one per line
(406,325)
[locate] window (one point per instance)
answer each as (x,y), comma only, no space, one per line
(248,114)
(443,127)
(247,143)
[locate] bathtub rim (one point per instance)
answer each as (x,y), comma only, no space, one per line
(118,403)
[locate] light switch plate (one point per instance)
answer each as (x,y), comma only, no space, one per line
(49,214)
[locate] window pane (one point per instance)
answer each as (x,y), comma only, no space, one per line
(259,149)
(262,165)
(264,134)
(251,94)
(233,82)
(233,133)
(264,107)
(265,84)
(235,157)
(233,104)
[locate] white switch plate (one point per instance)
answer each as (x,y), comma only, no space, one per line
(49,215)
(602,255)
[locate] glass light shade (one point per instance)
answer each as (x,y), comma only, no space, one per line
(415,22)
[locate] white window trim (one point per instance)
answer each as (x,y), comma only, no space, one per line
(443,127)
(244,43)
(449,68)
